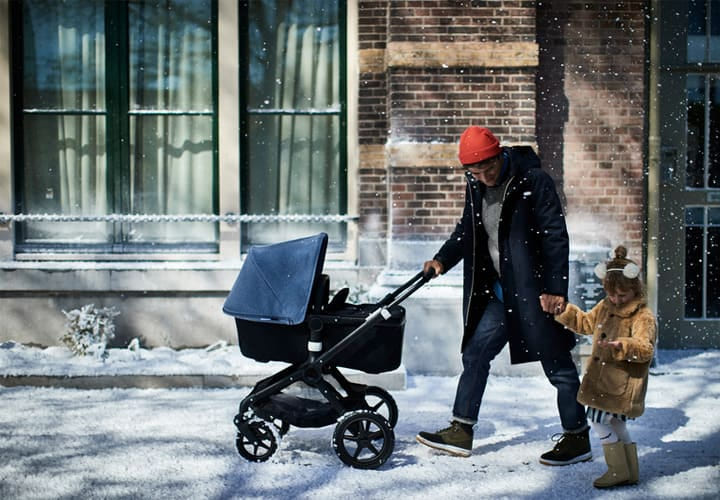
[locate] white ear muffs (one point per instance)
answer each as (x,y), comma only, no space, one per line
(631,270)
(601,270)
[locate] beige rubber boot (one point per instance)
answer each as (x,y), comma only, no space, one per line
(632,461)
(617,472)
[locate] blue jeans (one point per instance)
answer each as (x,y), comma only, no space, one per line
(488,340)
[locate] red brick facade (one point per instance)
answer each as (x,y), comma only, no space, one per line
(566,77)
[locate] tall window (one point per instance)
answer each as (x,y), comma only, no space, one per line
(115,113)
(293,116)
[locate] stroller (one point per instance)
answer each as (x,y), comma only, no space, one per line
(280,302)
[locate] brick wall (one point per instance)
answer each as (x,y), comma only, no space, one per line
(591,115)
(372,119)
(566,77)
(447,65)
(469,21)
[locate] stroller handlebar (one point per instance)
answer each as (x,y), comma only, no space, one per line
(407,289)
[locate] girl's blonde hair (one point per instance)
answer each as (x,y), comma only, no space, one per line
(617,280)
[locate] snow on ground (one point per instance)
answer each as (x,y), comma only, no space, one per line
(179,443)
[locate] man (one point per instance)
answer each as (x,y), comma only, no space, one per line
(513,241)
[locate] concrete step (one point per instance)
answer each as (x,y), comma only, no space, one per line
(394,380)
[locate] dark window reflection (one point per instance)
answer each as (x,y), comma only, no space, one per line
(714,145)
(63,55)
(693,271)
(695,131)
(713,263)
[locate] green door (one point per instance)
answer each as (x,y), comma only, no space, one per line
(689,230)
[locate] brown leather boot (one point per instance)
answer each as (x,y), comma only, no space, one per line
(617,472)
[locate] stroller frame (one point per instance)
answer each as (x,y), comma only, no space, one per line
(363,437)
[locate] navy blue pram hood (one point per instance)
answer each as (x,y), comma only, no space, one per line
(276,281)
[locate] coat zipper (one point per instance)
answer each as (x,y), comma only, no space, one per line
(472,280)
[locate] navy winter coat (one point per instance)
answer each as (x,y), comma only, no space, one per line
(534,251)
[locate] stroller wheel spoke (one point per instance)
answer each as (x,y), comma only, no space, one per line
(381,402)
(358,450)
(374,436)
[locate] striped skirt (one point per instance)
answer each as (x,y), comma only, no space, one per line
(603,417)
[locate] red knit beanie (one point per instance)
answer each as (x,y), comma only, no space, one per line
(477,144)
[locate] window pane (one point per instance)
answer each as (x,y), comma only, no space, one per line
(293,108)
(160,131)
(714,143)
(64,173)
(171,55)
(63,55)
(713,271)
(695,216)
(298,174)
(171,160)
(293,55)
(171,172)
(299,169)
(695,131)
(697,32)
(693,272)
(715,31)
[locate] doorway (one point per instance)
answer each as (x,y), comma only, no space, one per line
(688,218)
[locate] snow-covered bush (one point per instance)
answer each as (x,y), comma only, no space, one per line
(89,330)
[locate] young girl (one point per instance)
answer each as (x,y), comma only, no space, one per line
(615,381)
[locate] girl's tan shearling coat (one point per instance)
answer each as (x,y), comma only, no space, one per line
(615,380)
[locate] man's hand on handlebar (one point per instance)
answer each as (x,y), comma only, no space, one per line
(434,268)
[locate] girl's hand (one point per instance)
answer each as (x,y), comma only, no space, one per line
(610,344)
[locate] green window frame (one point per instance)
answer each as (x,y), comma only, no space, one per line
(152,110)
(293,118)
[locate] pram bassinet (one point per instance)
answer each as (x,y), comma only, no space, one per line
(271,306)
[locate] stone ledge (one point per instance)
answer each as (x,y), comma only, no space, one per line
(413,154)
(371,60)
(462,54)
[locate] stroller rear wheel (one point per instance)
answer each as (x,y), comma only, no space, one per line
(363,439)
(261,450)
(381,402)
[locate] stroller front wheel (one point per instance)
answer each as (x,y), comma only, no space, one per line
(363,439)
(260,450)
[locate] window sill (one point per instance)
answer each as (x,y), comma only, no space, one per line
(132,277)
(140,277)
(115,257)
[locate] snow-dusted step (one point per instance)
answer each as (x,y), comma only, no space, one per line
(394,380)
(216,366)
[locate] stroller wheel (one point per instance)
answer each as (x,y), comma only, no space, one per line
(363,439)
(263,448)
(381,402)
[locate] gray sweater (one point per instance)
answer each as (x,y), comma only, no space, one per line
(491,208)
